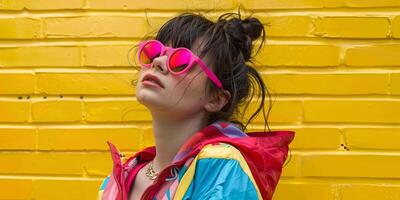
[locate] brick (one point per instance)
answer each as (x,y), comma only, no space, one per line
(156,20)
(382,191)
(291,167)
(330,190)
(98,26)
(41,163)
(286,26)
(38,56)
(394,85)
(378,55)
(116,111)
(20,28)
(99,164)
(161,5)
(112,55)
(56,110)
(396,27)
(329,84)
(352,27)
(18,138)
(125,138)
(288,4)
(314,4)
(22,83)
(299,55)
(86,83)
(41,4)
(349,164)
(281,111)
(363,111)
(365,4)
(66,188)
(372,138)
(16,188)
(322,138)
(14,111)
(287,189)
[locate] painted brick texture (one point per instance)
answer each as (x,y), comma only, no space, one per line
(67,86)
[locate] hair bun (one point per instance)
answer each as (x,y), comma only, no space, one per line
(253,27)
(241,32)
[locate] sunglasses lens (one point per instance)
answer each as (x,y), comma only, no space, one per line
(179,60)
(149,51)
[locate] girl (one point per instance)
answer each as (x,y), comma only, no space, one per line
(194,76)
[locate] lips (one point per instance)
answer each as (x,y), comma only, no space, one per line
(152,78)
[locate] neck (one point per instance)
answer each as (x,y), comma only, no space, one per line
(170,135)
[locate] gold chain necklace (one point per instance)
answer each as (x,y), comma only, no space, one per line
(150,172)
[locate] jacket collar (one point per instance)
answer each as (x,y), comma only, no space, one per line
(215,130)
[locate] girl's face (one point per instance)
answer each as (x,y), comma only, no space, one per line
(180,96)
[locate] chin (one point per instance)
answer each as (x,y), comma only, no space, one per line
(150,100)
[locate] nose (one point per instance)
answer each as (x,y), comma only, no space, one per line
(160,63)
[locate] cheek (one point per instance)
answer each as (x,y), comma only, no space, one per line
(138,78)
(192,88)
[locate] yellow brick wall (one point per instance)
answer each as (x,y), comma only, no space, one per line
(65,88)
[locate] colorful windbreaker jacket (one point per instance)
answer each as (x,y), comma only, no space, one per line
(218,162)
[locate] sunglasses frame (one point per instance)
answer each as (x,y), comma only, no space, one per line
(193,60)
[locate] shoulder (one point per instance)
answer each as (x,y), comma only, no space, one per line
(221,150)
(218,172)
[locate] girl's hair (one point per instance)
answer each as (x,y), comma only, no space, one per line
(227,44)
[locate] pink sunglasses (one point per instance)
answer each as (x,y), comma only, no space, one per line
(180,60)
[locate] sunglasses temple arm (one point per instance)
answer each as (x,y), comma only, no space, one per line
(210,74)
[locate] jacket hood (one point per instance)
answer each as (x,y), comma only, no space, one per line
(265,153)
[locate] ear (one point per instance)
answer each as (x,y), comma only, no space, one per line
(217,101)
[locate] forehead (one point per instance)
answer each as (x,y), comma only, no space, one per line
(197,46)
